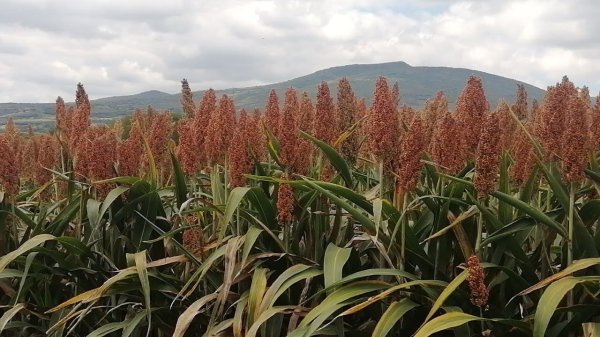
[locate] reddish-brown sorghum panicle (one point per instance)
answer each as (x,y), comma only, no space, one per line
(508,126)
(523,156)
(573,149)
(187,99)
(487,162)
(285,202)
(95,156)
(549,122)
(240,162)
(520,106)
(382,126)
(256,135)
(476,281)
(448,149)
(9,173)
(80,118)
(188,153)
(130,151)
(159,135)
(434,109)
(63,120)
(14,138)
(346,104)
(395,96)
(46,159)
(208,105)
(471,106)
(304,122)
(325,118)
(272,113)
(193,241)
(288,133)
(220,131)
(594,126)
(411,149)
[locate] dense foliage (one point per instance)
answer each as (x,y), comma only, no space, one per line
(332,218)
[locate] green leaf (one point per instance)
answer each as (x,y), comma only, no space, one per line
(575,266)
(330,303)
(107,329)
(142,270)
(25,247)
(251,237)
(9,314)
(504,209)
(357,214)
(334,158)
(531,211)
(290,276)
(444,322)
(179,177)
(94,294)
(257,292)
(335,259)
(185,319)
(452,286)
(110,198)
(550,300)
(28,262)
(391,290)
(265,315)
(392,315)
(266,212)
(132,324)
(10,273)
(462,217)
(508,230)
(233,201)
(74,246)
(590,212)
(199,274)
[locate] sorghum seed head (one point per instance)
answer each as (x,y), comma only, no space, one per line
(240,162)
(305,122)
(573,148)
(288,131)
(272,113)
(476,281)
(520,105)
(487,161)
(9,173)
(325,111)
(347,112)
(382,126)
(411,149)
(285,203)
(220,131)
(187,99)
(523,155)
(471,107)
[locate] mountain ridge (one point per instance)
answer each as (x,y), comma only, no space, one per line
(417,84)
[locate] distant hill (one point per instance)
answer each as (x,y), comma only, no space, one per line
(417,84)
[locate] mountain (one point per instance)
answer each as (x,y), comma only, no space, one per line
(417,84)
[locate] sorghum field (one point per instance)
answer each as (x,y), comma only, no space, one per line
(310,218)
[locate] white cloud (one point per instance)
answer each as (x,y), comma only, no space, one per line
(124,47)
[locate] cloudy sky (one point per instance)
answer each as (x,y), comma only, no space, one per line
(128,46)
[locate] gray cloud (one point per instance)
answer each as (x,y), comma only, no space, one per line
(124,47)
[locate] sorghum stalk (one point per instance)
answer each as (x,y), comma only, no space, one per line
(570,299)
(479,231)
(403,223)
(440,192)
